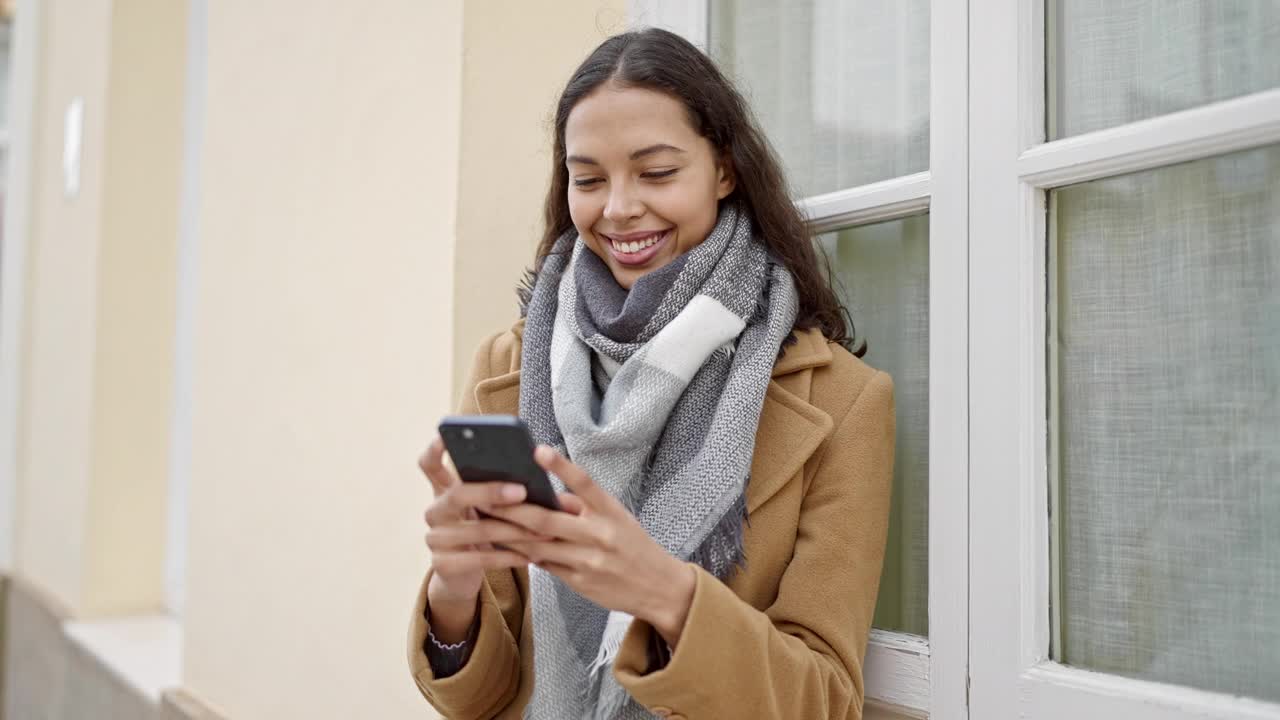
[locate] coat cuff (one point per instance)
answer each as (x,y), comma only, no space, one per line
(489,672)
(680,686)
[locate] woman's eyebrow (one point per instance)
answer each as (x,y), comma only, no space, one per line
(659,147)
(642,152)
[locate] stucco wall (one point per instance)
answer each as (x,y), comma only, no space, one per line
(98,328)
(322,348)
(518,55)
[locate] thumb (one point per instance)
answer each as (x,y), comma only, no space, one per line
(433,465)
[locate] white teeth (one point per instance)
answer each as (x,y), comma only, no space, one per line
(638,245)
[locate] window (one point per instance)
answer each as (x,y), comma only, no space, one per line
(883,273)
(1165,318)
(1124,360)
(1086,511)
(1113,63)
(866,108)
(842,91)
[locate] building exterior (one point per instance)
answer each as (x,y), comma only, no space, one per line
(249,247)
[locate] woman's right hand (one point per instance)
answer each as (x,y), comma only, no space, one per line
(462,542)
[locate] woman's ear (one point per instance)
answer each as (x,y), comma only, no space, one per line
(726,181)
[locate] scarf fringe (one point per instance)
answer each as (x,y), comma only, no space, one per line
(723,547)
(614,631)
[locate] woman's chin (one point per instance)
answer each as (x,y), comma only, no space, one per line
(626,277)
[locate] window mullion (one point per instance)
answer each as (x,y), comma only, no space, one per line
(877,202)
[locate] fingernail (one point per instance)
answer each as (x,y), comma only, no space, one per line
(514,493)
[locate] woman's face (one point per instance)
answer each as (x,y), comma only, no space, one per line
(644,186)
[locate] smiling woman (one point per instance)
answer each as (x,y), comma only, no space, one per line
(723,461)
(644,185)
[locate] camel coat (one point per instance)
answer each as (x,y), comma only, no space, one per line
(784,638)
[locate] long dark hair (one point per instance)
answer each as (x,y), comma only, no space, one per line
(659,60)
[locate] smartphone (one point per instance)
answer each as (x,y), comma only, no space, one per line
(497,448)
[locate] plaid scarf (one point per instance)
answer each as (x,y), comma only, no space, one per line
(657,394)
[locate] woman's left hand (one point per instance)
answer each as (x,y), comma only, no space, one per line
(599,549)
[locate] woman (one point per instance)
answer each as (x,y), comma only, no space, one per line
(725,462)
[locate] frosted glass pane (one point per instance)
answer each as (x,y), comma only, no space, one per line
(884,271)
(1168,443)
(1113,62)
(841,87)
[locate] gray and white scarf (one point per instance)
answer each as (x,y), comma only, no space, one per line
(657,394)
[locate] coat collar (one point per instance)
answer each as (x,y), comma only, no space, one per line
(791,428)
(810,350)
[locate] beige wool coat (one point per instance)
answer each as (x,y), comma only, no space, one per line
(784,638)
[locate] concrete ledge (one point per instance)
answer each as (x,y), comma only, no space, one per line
(36,654)
(180,704)
(48,676)
(145,651)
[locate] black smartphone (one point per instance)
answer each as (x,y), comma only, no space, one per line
(497,448)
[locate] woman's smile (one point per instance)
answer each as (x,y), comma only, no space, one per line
(635,249)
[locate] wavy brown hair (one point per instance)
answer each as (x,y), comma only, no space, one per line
(663,61)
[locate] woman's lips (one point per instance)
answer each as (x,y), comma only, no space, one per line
(641,256)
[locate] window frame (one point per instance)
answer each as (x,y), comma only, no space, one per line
(179,461)
(907,674)
(16,138)
(1009,553)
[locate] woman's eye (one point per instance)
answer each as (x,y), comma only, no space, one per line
(659,174)
(585,182)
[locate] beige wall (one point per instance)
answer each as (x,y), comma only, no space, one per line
(519,55)
(340,146)
(54,450)
(99,323)
(133,368)
(322,349)
(371,183)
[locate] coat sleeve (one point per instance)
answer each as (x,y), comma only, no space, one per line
(488,681)
(802,656)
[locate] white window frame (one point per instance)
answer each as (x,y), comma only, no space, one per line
(1011,169)
(907,674)
(179,459)
(16,139)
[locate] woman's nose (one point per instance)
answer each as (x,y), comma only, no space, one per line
(623,204)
